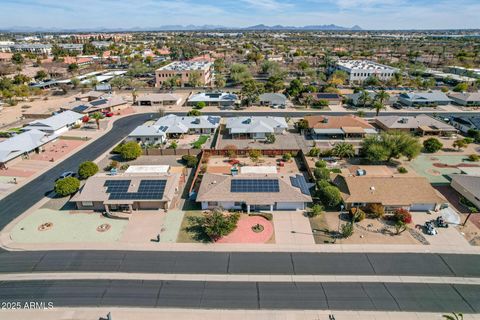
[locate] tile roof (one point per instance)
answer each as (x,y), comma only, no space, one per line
(337,122)
(469,183)
(409,122)
(389,191)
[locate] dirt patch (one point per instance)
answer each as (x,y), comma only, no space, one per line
(455,166)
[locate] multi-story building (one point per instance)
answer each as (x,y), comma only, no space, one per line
(73,47)
(182,70)
(32,47)
(360,70)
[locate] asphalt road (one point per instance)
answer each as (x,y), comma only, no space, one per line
(22,199)
(247,295)
(282,263)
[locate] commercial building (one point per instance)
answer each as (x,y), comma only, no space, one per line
(128,192)
(360,70)
(255,127)
(254,192)
(38,48)
(183,70)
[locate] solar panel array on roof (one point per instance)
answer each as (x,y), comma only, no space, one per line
(80,108)
(163,128)
(98,102)
(213,120)
(147,190)
(254,185)
(300,182)
(328,95)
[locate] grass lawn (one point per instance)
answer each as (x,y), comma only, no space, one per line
(188,231)
(199,143)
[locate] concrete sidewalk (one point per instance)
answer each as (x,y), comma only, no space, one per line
(215,314)
(234,277)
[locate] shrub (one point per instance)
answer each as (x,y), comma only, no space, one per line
(173,145)
(113,164)
(403,215)
(357,214)
(331,196)
(190,161)
(314,152)
(67,186)
(117,148)
(321,164)
(254,155)
(335,170)
(376,210)
(402,170)
(432,145)
(346,230)
(287,157)
(474,157)
(265,215)
(124,166)
(130,151)
(317,209)
(321,173)
(200,105)
(87,169)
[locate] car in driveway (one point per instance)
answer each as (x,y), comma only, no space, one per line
(66,174)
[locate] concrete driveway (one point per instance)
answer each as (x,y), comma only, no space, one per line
(446,236)
(287,221)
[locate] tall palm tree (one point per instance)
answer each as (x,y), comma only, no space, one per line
(97,116)
(364,98)
(377,105)
(382,96)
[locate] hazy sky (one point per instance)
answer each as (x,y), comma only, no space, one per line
(369,14)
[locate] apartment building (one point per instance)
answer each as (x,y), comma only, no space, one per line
(182,70)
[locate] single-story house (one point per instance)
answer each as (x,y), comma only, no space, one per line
(273,99)
(220,99)
(158,99)
(22,144)
(255,127)
(106,103)
(468,186)
(57,124)
(173,126)
(419,99)
(332,98)
(422,124)
(338,127)
(466,99)
(89,96)
(128,192)
(411,193)
(254,192)
(465,123)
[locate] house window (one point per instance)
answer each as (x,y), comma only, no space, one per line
(238,204)
(87,204)
(212,204)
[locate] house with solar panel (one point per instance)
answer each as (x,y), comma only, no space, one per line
(106,103)
(253,190)
(214,99)
(129,192)
(173,126)
(332,98)
(255,127)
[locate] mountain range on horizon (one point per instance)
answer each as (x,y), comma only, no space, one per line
(259,27)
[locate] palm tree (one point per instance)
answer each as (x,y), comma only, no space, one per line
(453,316)
(343,150)
(364,98)
(382,96)
(307,100)
(377,105)
(97,116)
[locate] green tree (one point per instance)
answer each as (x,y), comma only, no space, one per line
(216,224)
(390,145)
(321,173)
(200,105)
(270,138)
(195,78)
(130,151)
(97,116)
(343,150)
(255,155)
(17,58)
(190,161)
(219,80)
(317,209)
(194,113)
(87,169)
(72,67)
(239,73)
(364,98)
(275,83)
(378,106)
(460,144)
(432,145)
(461,87)
(41,75)
(251,90)
(67,186)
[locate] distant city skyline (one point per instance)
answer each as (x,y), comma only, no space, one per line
(145,14)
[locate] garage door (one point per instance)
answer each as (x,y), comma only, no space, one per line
(422,207)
